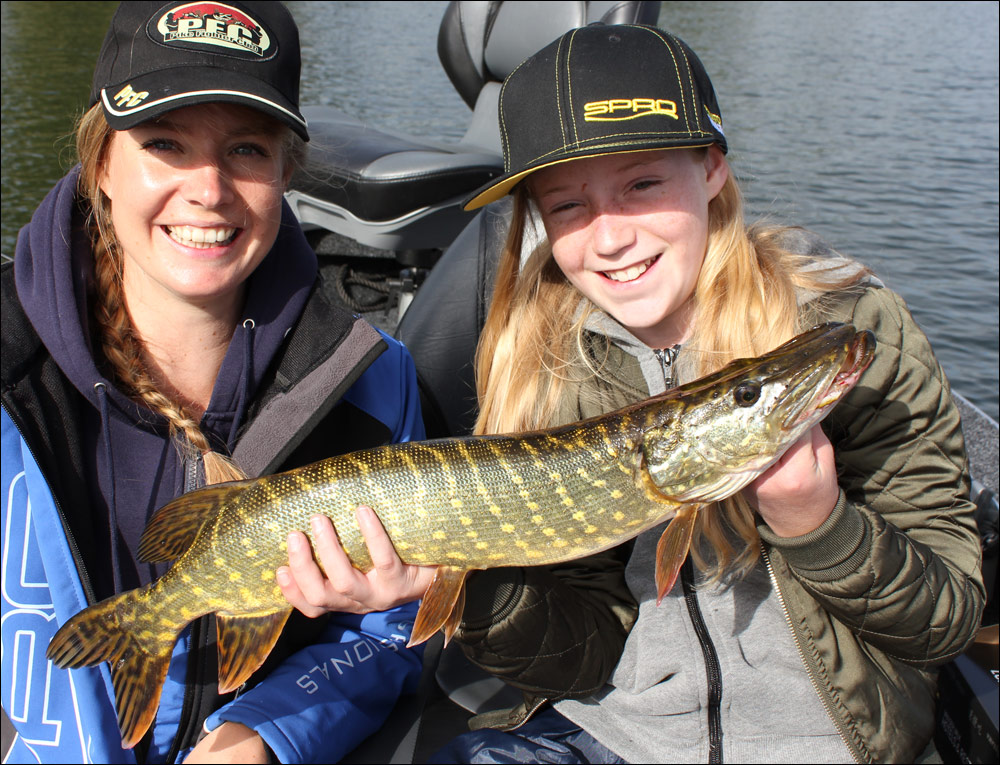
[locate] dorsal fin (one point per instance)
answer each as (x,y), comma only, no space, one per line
(173,527)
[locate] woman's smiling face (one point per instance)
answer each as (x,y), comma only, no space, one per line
(196,200)
(630,231)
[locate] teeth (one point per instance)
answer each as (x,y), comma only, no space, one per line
(628,274)
(193,236)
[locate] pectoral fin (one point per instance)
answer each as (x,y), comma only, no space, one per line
(244,643)
(672,549)
(442,605)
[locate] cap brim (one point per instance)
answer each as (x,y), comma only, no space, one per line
(500,187)
(206,85)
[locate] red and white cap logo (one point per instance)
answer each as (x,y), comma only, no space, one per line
(214,24)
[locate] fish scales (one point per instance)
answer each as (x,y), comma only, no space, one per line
(460,505)
(522,501)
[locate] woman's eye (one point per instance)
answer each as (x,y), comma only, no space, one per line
(159,144)
(250,150)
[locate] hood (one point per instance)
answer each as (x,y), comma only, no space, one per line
(54,274)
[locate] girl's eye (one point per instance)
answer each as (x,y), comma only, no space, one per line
(645,184)
(562,207)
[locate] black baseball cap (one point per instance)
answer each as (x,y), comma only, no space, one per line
(602,89)
(161,56)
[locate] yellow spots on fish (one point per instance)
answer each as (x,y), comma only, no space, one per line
(516,478)
(539,519)
(534,554)
(187,578)
(482,545)
(532,506)
(568,501)
(560,543)
(618,515)
(219,562)
(494,510)
(549,532)
(439,535)
(197,590)
(507,527)
(472,534)
(557,477)
(522,544)
(422,513)
(465,520)
(419,556)
(589,529)
(235,576)
(402,545)
(267,575)
(600,483)
(497,556)
(616,494)
(457,555)
(456,503)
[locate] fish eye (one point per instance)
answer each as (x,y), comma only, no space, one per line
(747,393)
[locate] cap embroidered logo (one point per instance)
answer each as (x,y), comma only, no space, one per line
(604,111)
(213,24)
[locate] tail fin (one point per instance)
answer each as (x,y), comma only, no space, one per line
(107,632)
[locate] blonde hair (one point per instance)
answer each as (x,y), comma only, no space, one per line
(121,345)
(746,303)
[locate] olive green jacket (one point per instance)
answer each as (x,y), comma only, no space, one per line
(887,588)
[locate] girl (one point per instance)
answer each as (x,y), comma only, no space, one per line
(824,595)
(164,310)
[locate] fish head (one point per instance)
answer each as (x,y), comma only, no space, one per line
(722,431)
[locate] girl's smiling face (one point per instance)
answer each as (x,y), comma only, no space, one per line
(196,201)
(630,232)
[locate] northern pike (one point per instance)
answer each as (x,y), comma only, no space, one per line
(460,504)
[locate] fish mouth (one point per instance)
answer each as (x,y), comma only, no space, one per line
(858,357)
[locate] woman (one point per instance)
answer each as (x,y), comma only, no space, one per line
(826,593)
(163,312)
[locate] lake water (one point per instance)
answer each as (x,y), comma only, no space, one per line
(875,124)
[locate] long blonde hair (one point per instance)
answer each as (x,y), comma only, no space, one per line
(121,345)
(746,303)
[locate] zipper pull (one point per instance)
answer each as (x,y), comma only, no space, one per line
(667,358)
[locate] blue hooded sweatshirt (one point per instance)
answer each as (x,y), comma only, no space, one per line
(320,701)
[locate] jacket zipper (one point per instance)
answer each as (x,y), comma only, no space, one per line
(821,691)
(712,669)
(667,358)
(185,737)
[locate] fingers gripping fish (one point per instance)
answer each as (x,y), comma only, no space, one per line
(460,504)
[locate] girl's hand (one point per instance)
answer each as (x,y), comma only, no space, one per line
(390,582)
(230,742)
(798,493)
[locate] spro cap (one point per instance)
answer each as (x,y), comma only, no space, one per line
(161,56)
(602,89)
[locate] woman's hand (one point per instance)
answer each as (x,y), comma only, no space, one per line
(230,742)
(390,582)
(798,492)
